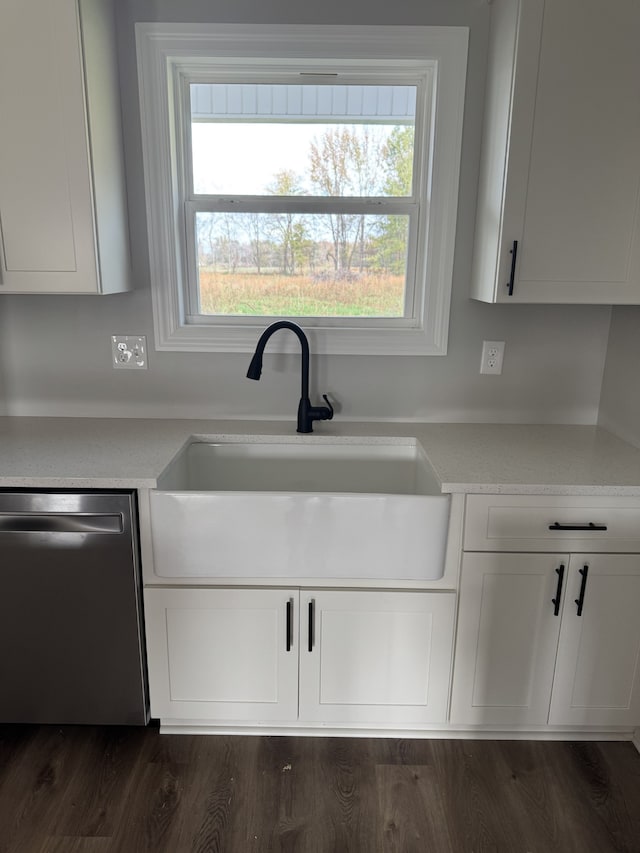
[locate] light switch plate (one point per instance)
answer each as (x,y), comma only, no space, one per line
(129,352)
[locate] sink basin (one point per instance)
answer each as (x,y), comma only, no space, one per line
(392,469)
(307,508)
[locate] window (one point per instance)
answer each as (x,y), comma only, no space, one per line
(311,215)
(302,172)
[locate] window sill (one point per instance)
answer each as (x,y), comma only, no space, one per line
(324,341)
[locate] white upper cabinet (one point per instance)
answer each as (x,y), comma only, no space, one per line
(560,163)
(63,218)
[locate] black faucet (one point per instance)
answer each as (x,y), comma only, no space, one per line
(307,413)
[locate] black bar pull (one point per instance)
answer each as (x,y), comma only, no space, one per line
(512,276)
(584,571)
(556,601)
(289,624)
(590,526)
(312,605)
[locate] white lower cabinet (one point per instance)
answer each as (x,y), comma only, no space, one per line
(597,674)
(376,657)
(222,654)
(548,639)
(507,639)
(256,656)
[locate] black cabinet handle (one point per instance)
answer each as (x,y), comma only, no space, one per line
(312,604)
(584,571)
(590,526)
(289,624)
(556,601)
(512,275)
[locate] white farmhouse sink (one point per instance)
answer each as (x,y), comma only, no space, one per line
(306,508)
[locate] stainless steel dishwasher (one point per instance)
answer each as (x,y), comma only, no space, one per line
(71,644)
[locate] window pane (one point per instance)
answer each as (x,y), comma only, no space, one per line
(301,265)
(274,139)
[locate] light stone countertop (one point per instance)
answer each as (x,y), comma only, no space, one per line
(108,453)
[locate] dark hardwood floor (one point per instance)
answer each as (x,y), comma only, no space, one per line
(121,790)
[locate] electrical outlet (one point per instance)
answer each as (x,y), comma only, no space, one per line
(492,356)
(129,352)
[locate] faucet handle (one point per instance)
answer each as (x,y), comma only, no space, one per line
(330,407)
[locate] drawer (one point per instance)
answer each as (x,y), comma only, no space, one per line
(544,523)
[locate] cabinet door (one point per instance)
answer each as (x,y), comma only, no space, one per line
(576,216)
(597,681)
(507,638)
(375,657)
(222,655)
(62,201)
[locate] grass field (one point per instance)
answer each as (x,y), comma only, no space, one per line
(369,295)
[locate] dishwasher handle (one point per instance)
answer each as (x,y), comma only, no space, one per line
(61,522)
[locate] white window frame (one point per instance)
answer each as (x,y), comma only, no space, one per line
(169,54)
(191,203)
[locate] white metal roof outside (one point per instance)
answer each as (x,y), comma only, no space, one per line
(309,102)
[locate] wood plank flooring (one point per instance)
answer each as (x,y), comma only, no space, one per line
(128,790)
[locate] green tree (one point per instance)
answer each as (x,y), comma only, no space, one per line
(288,228)
(397,153)
(397,157)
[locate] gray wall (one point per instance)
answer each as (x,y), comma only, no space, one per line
(620,406)
(55,350)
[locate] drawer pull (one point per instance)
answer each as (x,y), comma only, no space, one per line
(590,526)
(556,601)
(584,571)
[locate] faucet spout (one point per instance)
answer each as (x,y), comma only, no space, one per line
(307,413)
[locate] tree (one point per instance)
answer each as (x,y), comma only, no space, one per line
(206,232)
(288,227)
(345,162)
(227,241)
(397,158)
(397,153)
(253,226)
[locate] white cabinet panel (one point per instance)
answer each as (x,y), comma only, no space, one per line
(581,214)
(522,659)
(564,181)
(219,656)
(598,669)
(551,523)
(222,654)
(248,674)
(507,638)
(63,221)
(40,139)
(376,657)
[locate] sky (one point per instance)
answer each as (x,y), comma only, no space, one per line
(242,158)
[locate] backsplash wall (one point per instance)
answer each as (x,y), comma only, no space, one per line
(55,351)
